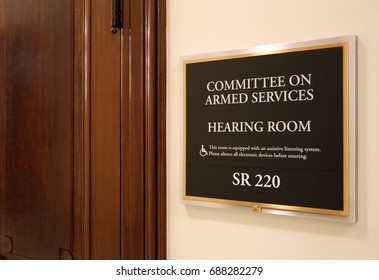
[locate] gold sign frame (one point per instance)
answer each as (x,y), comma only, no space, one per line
(349,212)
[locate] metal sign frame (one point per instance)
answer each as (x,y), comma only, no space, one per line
(349,211)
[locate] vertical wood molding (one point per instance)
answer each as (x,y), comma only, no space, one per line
(82,118)
(161,134)
(151,92)
(2,128)
(155,123)
(144,130)
(143,215)
(132,132)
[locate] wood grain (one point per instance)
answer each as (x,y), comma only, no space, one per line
(37,98)
(82,130)
(105,134)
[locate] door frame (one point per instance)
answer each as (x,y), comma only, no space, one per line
(143,225)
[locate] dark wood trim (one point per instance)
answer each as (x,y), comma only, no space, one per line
(2,126)
(82,118)
(144,142)
(132,133)
(151,90)
(155,123)
(161,134)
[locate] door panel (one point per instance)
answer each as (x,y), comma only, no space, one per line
(37,95)
(105,134)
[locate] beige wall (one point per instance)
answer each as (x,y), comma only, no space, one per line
(198,26)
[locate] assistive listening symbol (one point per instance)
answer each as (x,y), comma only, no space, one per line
(203,152)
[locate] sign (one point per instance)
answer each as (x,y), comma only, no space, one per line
(272,127)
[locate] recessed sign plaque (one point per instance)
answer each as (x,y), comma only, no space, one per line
(272,128)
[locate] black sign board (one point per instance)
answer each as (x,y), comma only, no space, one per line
(269,129)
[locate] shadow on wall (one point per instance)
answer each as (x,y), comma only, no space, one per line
(271,221)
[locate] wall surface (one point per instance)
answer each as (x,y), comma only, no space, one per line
(200,26)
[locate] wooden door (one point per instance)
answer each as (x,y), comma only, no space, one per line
(82,130)
(37,129)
